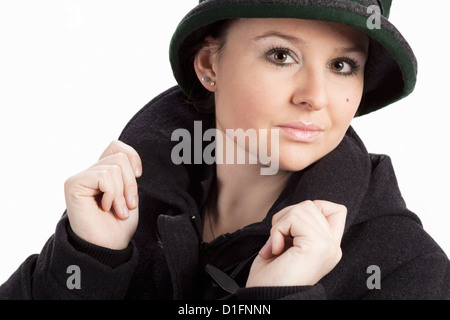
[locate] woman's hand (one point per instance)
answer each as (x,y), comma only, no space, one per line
(102,201)
(304,245)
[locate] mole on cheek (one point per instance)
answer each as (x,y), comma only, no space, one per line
(348,100)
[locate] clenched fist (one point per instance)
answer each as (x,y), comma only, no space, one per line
(102,201)
(304,245)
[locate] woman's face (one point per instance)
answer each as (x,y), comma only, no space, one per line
(302,77)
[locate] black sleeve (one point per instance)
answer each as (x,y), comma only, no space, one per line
(425,277)
(109,257)
(102,273)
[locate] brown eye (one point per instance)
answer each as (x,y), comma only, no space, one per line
(343,66)
(280,57)
(338,66)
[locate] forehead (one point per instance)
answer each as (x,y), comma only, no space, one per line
(307,31)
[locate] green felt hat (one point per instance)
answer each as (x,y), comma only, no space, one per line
(391,71)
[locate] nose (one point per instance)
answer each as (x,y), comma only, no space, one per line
(310,89)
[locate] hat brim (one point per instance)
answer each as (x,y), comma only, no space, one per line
(391,75)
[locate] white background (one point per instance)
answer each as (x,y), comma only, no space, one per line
(72,73)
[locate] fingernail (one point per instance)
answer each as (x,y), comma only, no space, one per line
(125,211)
(138,171)
(264,248)
(134,201)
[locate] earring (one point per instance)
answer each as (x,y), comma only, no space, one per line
(206,79)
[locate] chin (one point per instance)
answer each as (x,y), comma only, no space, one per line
(297,160)
(294,166)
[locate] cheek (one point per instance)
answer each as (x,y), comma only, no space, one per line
(245,101)
(346,99)
(342,112)
(352,102)
(236,110)
(348,109)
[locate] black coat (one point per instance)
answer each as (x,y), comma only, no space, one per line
(166,258)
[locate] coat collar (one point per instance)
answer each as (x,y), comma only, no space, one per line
(342,176)
(150,133)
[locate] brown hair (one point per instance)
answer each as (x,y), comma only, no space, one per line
(202,99)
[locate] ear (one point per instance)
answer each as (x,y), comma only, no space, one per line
(205,64)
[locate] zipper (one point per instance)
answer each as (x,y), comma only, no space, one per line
(199,233)
(195,223)
(158,237)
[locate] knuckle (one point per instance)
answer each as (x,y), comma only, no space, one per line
(104,175)
(303,206)
(71,183)
(294,219)
(273,230)
(298,211)
(118,158)
(115,169)
(124,159)
(307,204)
(68,183)
(295,209)
(274,219)
(343,208)
(131,187)
(109,149)
(121,157)
(115,173)
(113,144)
(72,188)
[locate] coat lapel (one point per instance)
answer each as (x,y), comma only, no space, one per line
(181,247)
(342,176)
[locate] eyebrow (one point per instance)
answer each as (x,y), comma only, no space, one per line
(287,37)
(299,41)
(356,49)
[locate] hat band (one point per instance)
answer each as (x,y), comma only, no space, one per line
(384,5)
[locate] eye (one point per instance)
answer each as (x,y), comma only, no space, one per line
(281,57)
(344,66)
(339,66)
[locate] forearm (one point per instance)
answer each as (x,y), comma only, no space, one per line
(61,271)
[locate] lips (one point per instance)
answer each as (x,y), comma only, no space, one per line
(302,131)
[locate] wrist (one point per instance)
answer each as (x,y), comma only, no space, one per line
(106,256)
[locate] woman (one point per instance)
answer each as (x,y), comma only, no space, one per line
(328,222)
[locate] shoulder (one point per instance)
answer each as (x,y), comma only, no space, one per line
(387,234)
(383,197)
(165,113)
(153,115)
